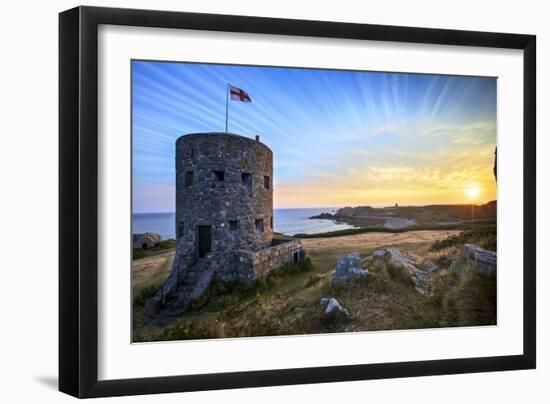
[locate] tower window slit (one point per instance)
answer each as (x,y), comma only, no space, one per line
(188,178)
(246,179)
(219,176)
(234,226)
(259,225)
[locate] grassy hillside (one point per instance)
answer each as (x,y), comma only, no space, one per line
(287,302)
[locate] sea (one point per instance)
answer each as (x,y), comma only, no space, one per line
(287,221)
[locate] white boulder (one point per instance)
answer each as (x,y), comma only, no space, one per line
(348,267)
(333,309)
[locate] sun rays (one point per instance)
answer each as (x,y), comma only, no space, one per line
(338,138)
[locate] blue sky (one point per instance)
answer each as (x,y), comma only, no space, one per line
(339,138)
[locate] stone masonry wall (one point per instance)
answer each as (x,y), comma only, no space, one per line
(247,266)
(224,181)
(266,260)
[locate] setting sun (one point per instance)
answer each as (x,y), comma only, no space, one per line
(472,192)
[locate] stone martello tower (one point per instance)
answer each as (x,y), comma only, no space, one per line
(224,218)
(224,194)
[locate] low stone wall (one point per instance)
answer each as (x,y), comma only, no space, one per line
(281,252)
(247,266)
(190,277)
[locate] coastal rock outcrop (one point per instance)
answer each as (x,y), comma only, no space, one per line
(332,309)
(145,240)
(473,256)
(348,267)
(419,272)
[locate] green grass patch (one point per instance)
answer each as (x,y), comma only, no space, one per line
(484,236)
(312,280)
(186,331)
(161,246)
(399,275)
(292,268)
(351,232)
(138,253)
(472,301)
(145,294)
(220,295)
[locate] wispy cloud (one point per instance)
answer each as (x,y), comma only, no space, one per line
(339,138)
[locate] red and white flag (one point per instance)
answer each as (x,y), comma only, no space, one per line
(238,95)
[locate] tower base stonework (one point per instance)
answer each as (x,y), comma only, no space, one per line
(190,278)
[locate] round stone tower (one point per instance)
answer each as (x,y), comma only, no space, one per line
(224,219)
(224,194)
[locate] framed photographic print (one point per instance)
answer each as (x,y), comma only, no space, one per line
(251,201)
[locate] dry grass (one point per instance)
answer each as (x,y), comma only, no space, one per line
(289,304)
(151,270)
(325,251)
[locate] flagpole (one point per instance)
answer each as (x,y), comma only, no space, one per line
(226,105)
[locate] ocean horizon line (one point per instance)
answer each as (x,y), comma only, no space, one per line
(308,207)
(377,206)
(287,221)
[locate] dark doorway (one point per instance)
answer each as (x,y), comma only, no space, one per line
(205,240)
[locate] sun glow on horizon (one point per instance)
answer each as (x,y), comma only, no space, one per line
(473,192)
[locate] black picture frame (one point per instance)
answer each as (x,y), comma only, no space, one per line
(78,201)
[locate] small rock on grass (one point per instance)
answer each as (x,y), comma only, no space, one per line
(348,267)
(333,309)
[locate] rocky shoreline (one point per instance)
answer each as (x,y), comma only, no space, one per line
(388,222)
(401,217)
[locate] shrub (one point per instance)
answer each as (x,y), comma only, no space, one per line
(485,236)
(399,275)
(186,330)
(164,245)
(312,280)
(380,282)
(334,289)
(144,295)
(472,301)
(376,266)
(159,246)
(439,286)
(443,261)
(200,302)
(138,253)
(292,268)
(232,291)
